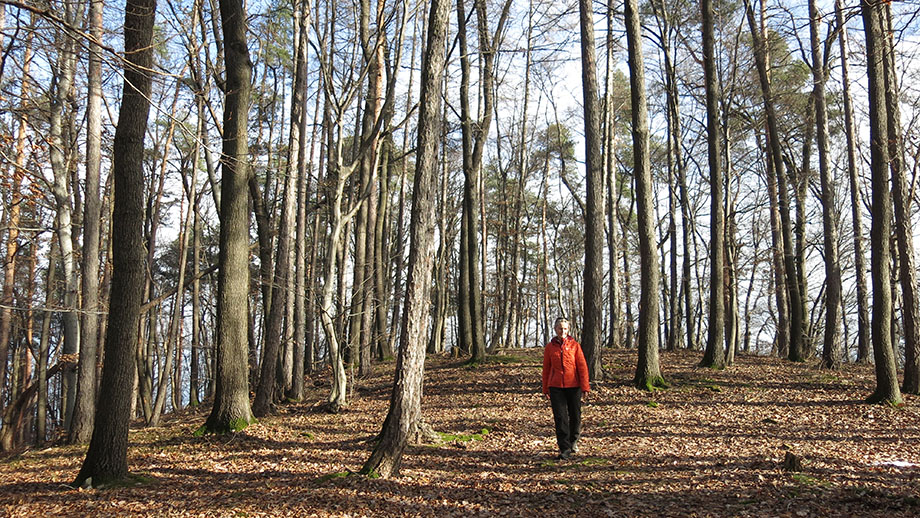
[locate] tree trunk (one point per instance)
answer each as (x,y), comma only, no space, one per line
(900,191)
(44,351)
(174,337)
(593,302)
(65,69)
(404,414)
(231,411)
(862,303)
(106,459)
(831,353)
(82,427)
(299,121)
(648,373)
(610,171)
(886,376)
(475,134)
(265,392)
(796,310)
(714,356)
(13,219)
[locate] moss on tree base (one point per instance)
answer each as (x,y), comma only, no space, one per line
(885,399)
(235,425)
(652,384)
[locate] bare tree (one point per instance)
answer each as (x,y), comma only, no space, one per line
(404,416)
(886,376)
(648,373)
(862,304)
(715,348)
(106,459)
(593,302)
(231,410)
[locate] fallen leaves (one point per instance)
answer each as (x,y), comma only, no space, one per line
(711,445)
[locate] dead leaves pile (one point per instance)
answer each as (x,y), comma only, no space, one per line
(713,444)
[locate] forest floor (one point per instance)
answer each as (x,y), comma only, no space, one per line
(711,445)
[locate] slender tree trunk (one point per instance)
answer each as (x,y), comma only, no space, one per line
(862,303)
(65,70)
(610,171)
(732,319)
(475,134)
(593,302)
(886,390)
(231,410)
(299,121)
(174,337)
(266,393)
(381,261)
(194,381)
(796,310)
(44,352)
(82,427)
(715,348)
(831,353)
(106,459)
(648,373)
(13,219)
(404,415)
(901,194)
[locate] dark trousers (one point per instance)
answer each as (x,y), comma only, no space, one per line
(566,403)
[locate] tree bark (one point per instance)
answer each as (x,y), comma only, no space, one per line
(886,376)
(231,411)
(593,302)
(714,356)
(862,303)
(648,373)
(405,402)
(106,459)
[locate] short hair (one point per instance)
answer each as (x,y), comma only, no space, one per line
(560,320)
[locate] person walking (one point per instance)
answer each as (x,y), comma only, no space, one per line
(565,379)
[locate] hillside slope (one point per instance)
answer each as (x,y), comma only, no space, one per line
(712,445)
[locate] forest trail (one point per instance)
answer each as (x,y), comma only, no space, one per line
(713,444)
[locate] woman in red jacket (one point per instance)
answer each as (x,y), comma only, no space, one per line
(565,378)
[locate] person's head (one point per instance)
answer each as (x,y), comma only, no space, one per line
(561,327)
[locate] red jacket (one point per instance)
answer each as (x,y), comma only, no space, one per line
(564,365)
